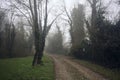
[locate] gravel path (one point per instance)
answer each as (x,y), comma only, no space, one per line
(66,69)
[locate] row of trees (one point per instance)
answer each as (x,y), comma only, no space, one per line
(55,42)
(13,41)
(96,39)
(35,13)
(99,40)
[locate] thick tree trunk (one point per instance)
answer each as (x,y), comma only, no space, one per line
(37,45)
(40,35)
(38,55)
(35,59)
(37,49)
(39,58)
(36,35)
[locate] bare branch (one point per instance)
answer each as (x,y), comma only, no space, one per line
(90,2)
(22,13)
(69,17)
(40,15)
(49,26)
(31,9)
(46,16)
(109,4)
(67,13)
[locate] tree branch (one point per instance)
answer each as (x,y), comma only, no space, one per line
(46,16)
(22,13)
(49,26)
(90,2)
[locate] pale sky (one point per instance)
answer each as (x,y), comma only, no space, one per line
(112,10)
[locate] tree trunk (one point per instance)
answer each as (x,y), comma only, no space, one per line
(40,54)
(39,58)
(36,35)
(37,49)
(0,40)
(35,59)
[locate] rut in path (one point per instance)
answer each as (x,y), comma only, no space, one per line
(66,69)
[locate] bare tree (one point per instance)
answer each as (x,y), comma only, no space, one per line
(96,6)
(10,34)
(76,23)
(36,13)
(69,20)
(2,16)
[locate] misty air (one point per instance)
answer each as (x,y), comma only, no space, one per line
(59,39)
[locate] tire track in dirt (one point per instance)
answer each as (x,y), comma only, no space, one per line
(87,72)
(60,70)
(66,69)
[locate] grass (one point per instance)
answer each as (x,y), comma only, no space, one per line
(111,74)
(21,69)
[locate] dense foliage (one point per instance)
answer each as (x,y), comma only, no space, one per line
(102,46)
(106,51)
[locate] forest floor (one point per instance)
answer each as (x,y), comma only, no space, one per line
(68,69)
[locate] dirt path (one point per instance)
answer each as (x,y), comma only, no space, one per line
(66,69)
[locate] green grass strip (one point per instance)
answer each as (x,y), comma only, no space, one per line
(112,74)
(21,69)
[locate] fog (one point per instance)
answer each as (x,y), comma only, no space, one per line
(59,39)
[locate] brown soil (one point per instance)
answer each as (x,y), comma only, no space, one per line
(67,69)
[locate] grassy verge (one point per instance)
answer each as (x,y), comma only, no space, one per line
(112,74)
(21,69)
